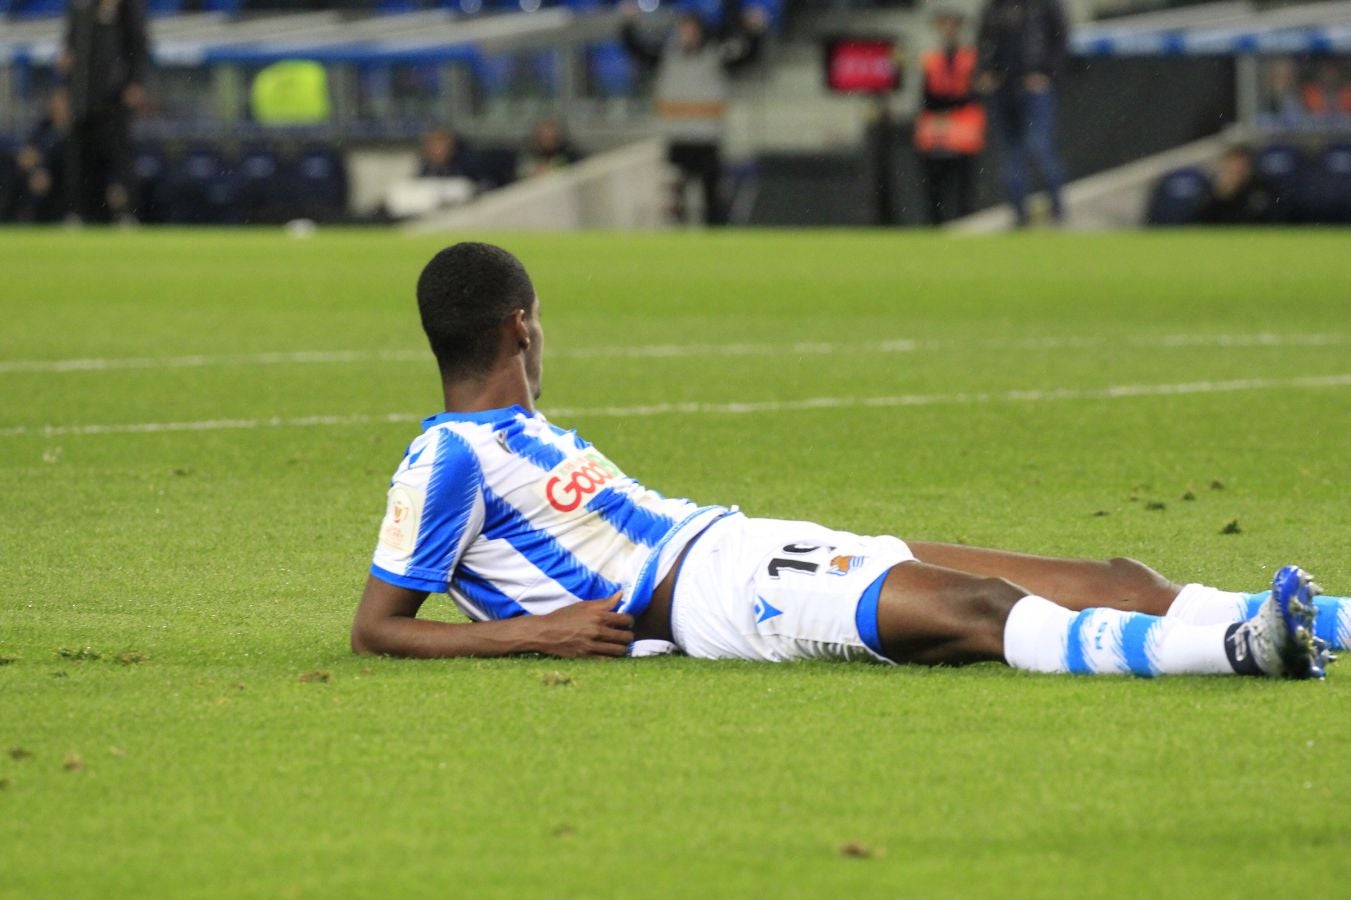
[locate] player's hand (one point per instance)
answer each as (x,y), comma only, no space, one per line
(756,20)
(589,629)
(629,10)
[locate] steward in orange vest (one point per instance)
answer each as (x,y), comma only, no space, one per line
(950,129)
(1326,95)
(953,119)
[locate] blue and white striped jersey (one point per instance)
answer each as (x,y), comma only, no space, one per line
(512,515)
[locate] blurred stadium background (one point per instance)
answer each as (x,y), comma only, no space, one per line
(1152,96)
(199,420)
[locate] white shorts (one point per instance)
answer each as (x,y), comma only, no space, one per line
(771,590)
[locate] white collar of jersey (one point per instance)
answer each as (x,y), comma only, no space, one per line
(483,416)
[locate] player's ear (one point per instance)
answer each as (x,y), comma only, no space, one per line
(519,329)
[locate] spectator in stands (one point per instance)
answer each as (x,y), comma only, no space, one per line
(950,128)
(1237,195)
(40,164)
(693,68)
(1022,46)
(1282,94)
(1328,94)
(547,149)
(105,59)
(445,156)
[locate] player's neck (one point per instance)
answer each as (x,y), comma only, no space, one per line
(498,390)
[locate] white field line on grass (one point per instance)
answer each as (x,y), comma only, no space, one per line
(665,351)
(1114,392)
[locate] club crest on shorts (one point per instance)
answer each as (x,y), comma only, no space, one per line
(843,565)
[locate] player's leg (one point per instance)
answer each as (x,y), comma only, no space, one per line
(933,185)
(1039,115)
(933,616)
(1008,132)
(1076,584)
(1332,623)
(711,179)
(1126,584)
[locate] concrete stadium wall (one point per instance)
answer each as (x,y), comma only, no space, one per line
(621,189)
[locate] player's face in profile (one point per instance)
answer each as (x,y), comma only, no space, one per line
(534,355)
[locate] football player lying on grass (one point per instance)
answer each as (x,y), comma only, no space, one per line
(550,548)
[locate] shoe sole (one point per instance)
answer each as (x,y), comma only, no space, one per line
(1301,656)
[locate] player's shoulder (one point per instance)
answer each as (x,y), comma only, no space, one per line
(442,447)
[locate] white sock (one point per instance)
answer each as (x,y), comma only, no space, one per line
(1197,604)
(1043,637)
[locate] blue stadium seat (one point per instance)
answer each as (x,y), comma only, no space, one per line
(1178,197)
(201,190)
(1279,164)
(39,8)
(260,195)
(773,10)
(612,71)
(164,7)
(545,70)
(493,73)
(1336,176)
(319,182)
(1283,168)
(708,10)
(149,171)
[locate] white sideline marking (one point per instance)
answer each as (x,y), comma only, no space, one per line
(662,351)
(1114,392)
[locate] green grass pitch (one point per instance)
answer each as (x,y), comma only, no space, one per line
(180,714)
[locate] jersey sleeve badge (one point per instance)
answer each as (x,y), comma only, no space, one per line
(399,530)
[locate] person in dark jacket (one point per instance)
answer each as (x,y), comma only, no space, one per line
(1238,196)
(444,155)
(40,165)
(547,150)
(1022,47)
(105,60)
(692,88)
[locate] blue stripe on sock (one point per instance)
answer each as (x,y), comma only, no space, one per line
(1134,641)
(865,617)
(1074,646)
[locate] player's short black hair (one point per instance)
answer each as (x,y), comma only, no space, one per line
(464,294)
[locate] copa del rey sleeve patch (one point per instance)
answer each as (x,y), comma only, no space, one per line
(399,530)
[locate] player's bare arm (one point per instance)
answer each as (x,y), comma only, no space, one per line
(386,623)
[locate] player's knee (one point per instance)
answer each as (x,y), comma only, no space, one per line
(1141,583)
